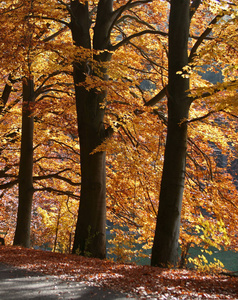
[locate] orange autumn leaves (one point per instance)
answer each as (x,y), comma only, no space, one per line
(143,282)
(135,153)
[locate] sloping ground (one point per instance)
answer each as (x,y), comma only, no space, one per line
(21,284)
(145,282)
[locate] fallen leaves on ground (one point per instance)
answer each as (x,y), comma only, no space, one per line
(144,282)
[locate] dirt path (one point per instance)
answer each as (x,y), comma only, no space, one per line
(19,284)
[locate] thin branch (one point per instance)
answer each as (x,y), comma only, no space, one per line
(40,90)
(215,90)
(8,184)
(127,39)
(65,158)
(54,35)
(207,158)
(148,195)
(52,190)
(57,176)
(126,219)
(10,106)
(194,6)
(117,13)
(65,145)
(161,116)
(194,180)
(65,4)
(228,200)
(123,208)
(200,118)
(135,18)
(158,97)
(49,88)
(51,19)
(145,55)
(230,114)
(7,91)
(202,37)
(163,93)
(12,9)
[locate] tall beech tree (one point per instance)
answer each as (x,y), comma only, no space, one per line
(22,233)
(90,234)
(30,35)
(92,210)
(165,247)
(114,65)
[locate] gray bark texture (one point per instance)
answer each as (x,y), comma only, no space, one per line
(90,234)
(22,233)
(165,246)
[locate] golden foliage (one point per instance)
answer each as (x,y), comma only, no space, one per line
(36,41)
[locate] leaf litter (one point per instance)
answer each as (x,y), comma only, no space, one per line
(143,282)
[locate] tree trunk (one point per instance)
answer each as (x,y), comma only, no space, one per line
(57,229)
(165,246)
(90,234)
(22,233)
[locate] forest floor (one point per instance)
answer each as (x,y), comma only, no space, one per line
(143,282)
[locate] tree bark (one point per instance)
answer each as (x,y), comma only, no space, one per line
(165,246)
(90,234)
(22,233)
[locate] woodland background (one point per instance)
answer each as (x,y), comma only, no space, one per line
(37,84)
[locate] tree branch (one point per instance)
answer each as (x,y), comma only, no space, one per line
(206,157)
(52,190)
(230,114)
(127,39)
(57,176)
(40,89)
(65,145)
(8,184)
(200,118)
(65,4)
(194,6)
(51,19)
(157,97)
(54,35)
(117,13)
(6,92)
(202,37)
(135,18)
